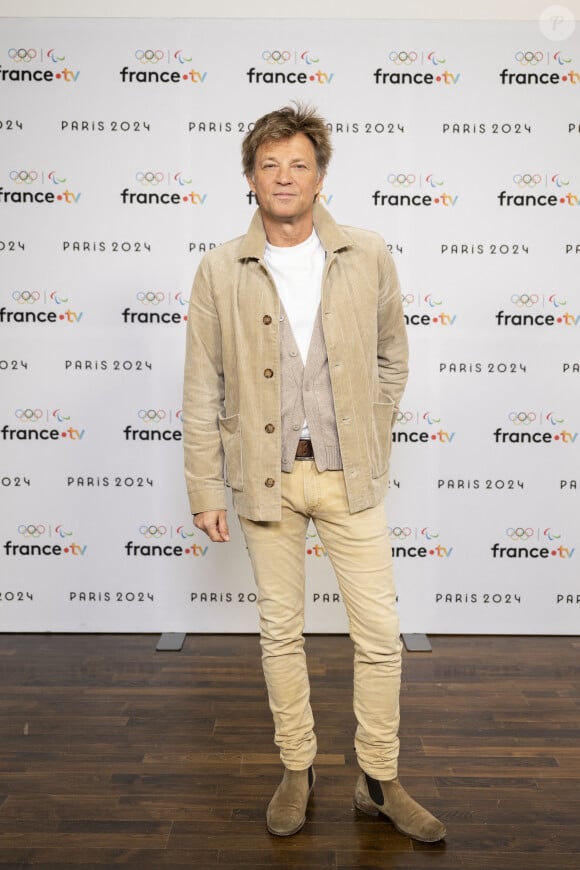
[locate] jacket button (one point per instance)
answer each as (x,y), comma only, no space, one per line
(268,373)
(293,353)
(296,427)
(269,482)
(269,427)
(266,320)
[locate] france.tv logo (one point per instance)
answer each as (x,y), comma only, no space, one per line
(163,188)
(428,310)
(415,189)
(420,427)
(539,189)
(526,542)
(305,68)
(38,186)
(418,542)
(24,66)
(163,66)
(416,67)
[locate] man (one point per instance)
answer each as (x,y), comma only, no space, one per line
(296,360)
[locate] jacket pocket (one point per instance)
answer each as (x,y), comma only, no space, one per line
(231,435)
(381,437)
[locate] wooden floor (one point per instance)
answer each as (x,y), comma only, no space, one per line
(114,754)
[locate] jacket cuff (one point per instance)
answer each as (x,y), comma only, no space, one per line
(207,500)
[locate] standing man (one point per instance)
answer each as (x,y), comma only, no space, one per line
(296,361)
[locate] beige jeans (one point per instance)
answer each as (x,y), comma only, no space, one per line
(359,549)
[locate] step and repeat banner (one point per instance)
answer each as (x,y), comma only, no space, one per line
(120,166)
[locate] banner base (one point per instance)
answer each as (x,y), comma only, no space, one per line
(417,643)
(170,640)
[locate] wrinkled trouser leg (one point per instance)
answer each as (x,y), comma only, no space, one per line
(359,548)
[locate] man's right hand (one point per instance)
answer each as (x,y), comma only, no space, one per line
(214,524)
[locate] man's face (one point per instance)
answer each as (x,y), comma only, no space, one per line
(286,179)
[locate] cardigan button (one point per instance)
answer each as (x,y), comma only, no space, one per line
(268,373)
(266,320)
(269,427)
(269,482)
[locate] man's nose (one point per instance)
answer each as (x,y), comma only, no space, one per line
(284,175)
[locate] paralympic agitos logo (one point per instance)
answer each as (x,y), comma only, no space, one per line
(539,189)
(540,68)
(289,66)
(162,188)
(31,186)
(535,427)
(37,424)
(40,306)
(163,66)
(24,66)
(416,67)
(36,539)
(415,189)
(531,543)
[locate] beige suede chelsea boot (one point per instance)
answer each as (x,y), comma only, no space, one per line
(286,813)
(388,797)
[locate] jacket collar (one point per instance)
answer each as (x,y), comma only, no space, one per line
(331,235)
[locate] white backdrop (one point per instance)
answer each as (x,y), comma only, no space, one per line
(120,165)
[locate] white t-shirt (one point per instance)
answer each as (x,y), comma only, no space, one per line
(297,272)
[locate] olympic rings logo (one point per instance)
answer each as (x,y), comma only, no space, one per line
(152,531)
(22,55)
(31,531)
(527,180)
(152,178)
(276,56)
(404,417)
(400,179)
(28,415)
(403,57)
(525,300)
(26,296)
(529,58)
(522,417)
(519,534)
(150,297)
(23,177)
(407,298)
(399,533)
(152,416)
(149,55)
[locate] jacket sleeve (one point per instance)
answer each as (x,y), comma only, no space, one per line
(392,344)
(203,398)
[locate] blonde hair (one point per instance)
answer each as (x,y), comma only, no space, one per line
(282,124)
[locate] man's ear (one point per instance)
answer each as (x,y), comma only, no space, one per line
(250,181)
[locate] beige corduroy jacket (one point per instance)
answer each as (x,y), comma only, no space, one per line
(231,400)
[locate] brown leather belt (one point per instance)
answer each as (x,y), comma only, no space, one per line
(304,449)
